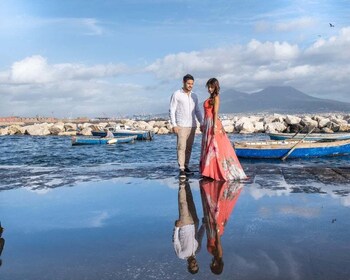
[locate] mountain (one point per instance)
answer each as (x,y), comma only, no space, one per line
(275,99)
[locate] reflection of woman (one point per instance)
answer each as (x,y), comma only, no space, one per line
(218,199)
(218,158)
(187,237)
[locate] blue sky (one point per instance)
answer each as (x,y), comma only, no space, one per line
(109,58)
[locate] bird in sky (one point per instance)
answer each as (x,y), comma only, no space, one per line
(331,25)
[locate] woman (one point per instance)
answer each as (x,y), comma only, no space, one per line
(218,158)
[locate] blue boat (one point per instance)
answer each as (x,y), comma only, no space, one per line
(101,141)
(140,134)
(310,137)
(301,149)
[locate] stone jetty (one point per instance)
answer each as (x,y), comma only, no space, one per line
(325,123)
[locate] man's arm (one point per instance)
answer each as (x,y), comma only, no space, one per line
(172,110)
(176,241)
(198,111)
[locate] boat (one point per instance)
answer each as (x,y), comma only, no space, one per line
(299,149)
(140,134)
(101,141)
(310,137)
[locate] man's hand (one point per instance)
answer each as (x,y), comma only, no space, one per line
(176,129)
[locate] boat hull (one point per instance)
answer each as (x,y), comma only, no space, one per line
(77,141)
(310,137)
(140,135)
(281,148)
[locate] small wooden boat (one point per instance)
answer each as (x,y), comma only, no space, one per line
(310,137)
(101,141)
(140,134)
(301,149)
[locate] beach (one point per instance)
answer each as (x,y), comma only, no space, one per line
(108,212)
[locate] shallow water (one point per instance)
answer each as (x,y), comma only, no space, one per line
(49,162)
(108,212)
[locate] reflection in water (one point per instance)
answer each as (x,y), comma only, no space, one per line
(2,242)
(218,199)
(187,237)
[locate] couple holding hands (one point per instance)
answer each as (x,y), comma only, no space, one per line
(218,159)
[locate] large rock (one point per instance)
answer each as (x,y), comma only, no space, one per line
(81,126)
(292,119)
(86,131)
(159,124)
(309,122)
(142,125)
(163,130)
(333,126)
(229,128)
(323,122)
(275,127)
(259,126)
(4,131)
(344,127)
(244,124)
(15,129)
(70,126)
(38,129)
(57,128)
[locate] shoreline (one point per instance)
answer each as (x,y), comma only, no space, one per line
(273,123)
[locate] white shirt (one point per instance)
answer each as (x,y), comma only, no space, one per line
(185,243)
(184,109)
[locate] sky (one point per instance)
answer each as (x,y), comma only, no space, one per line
(111,58)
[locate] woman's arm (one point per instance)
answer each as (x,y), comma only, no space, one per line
(216,111)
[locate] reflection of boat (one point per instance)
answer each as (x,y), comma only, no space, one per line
(140,134)
(310,137)
(98,140)
(278,149)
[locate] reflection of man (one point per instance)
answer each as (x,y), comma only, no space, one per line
(2,242)
(184,110)
(186,237)
(218,199)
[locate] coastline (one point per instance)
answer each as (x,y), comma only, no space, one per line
(243,124)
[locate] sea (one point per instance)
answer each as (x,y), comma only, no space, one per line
(108,212)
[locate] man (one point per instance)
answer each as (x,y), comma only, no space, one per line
(109,134)
(184,110)
(187,238)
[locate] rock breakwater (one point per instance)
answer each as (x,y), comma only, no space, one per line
(329,123)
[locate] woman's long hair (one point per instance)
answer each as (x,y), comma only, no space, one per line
(215,84)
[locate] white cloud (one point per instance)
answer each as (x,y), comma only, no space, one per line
(35,69)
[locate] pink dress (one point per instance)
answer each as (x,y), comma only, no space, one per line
(218,158)
(218,199)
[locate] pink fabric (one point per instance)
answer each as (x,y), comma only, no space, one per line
(218,158)
(219,199)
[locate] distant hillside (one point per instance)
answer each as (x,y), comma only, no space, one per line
(278,100)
